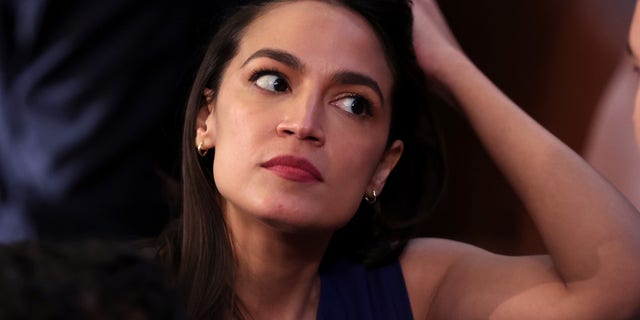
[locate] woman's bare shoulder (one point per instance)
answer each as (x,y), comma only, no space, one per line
(426,264)
(436,254)
(445,277)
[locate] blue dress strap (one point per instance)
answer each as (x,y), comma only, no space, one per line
(353,291)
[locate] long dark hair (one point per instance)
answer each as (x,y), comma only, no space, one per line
(200,252)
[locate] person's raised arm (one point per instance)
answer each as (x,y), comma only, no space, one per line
(590,230)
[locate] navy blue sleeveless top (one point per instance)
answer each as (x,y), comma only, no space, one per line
(353,291)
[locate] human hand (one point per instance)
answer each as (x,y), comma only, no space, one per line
(435,45)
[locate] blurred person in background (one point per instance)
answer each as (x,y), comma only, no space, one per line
(90,93)
(83,280)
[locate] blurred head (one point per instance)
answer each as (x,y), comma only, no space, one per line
(82,280)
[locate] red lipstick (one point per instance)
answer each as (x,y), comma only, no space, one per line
(293,168)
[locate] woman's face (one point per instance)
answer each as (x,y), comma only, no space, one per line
(301,119)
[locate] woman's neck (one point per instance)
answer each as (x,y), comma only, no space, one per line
(277,274)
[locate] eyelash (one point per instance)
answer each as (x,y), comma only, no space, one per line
(256,74)
(368,108)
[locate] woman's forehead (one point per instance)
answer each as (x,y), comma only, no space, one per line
(318,32)
(309,20)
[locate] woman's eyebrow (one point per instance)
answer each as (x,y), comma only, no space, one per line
(278,55)
(355,78)
(341,77)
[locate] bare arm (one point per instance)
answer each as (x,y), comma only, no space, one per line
(591,231)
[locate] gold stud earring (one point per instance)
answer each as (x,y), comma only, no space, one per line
(371,199)
(202,152)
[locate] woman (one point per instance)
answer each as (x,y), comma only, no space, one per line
(308,106)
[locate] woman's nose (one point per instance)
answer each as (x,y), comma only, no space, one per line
(303,120)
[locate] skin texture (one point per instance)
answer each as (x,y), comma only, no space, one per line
(634,46)
(589,229)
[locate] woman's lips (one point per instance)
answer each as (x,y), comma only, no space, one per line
(293,168)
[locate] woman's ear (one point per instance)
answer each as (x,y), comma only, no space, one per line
(205,123)
(388,161)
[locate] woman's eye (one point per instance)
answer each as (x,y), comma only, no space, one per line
(271,82)
(354,104)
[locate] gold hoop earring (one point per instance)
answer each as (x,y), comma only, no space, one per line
(201,152)
(371,199)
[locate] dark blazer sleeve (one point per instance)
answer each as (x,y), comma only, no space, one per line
(91,98)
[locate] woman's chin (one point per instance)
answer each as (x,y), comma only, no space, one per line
(299,222)
(292,214)
(302,220)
